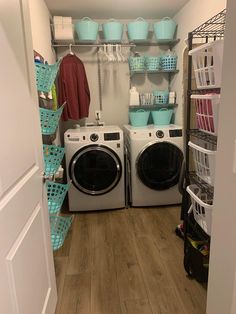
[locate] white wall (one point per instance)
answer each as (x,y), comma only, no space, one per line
(222,280)
(193,14)
(41,32)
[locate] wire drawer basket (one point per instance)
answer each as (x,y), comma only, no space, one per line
(201,204)
(207,107)
(49,120)
(56,193)
(53,156)
(46,75)
(204,161)
(59,226)
(207,64)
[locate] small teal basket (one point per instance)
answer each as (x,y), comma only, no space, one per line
(87,29)
(112,31)
(169,63)
(160,97)
(153,63)
(165,29)
(46,75)
(56,193)
(137,64)
(162,116)
(49,120)
(53,156)
(139,117)
(59,226)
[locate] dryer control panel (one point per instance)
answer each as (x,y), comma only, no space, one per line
(176,133)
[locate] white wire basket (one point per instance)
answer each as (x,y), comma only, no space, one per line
(207,107)
(207,64)
(204,161)
(201,205)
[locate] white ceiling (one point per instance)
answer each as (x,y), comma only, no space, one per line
(123,9)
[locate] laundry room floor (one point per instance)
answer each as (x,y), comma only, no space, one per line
(126,261)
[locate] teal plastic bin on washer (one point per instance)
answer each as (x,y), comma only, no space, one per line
(86,29)
(165,29)
(162,116)
(139,117)
(138,30)
(112,31)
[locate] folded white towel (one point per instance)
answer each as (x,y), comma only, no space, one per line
(57,20)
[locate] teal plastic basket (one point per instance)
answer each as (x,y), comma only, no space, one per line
(59,226)
(87,29)
(169,63)
(160,97)
(49,120)
(137,64)
(112,31)
(139,117)
(165,29)
(53,156)
(162,116)
(138,30)
(56,193)
(46,75)
(153,63)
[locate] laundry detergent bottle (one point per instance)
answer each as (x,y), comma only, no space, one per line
(133,97)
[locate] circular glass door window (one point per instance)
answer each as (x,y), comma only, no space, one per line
(159,165)
(95,169)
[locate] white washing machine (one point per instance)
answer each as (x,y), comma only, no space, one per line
(95,165)
(155,156)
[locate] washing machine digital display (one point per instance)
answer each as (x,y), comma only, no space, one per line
(95,169)
(111,136)
(159,164)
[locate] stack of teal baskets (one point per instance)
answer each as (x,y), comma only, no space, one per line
(53,155)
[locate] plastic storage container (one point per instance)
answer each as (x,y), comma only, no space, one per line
(133,97)
(138,30)
(49,120)
(87,29)
(153,63)
(59,226)
(165,29)
(56,193)
(139,117)
(137,64)
(46,75)
(63,28)
(207,64)
(202,207)
(53,156)
(162,116)
(160,97)
(169,61)
(207,107)
(204,161)
(112,31)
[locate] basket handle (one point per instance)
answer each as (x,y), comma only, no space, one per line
(166,18)
(140,19)
(86,19)
(163,109)
(140,110)
(112,20)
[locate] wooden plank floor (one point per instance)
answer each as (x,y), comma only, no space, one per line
(126,261)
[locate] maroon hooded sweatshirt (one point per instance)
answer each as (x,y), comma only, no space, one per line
(73,88)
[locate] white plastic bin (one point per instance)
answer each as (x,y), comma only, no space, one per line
(207,64)
(207,107)
(204,161)
(202,207)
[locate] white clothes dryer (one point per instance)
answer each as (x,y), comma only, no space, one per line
(155,156)
(95,165)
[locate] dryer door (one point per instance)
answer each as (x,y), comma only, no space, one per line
(159,164)
(95,169)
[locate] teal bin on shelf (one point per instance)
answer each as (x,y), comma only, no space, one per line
(139,117)
(112,31)
(138,30)
(87,29)
(162,116)
(165,29)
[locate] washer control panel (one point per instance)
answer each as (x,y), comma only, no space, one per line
(159,133)
(94,137)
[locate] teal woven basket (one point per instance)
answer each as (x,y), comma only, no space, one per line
(56,193)
(168,63)
(139,117)
(153,63)
(161,97)
(59,226)
(46,75)
(49,120)
(53,156)
(137,64)
(162,116)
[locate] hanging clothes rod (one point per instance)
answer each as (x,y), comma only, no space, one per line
(91,45)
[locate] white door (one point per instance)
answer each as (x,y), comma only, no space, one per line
(27,278)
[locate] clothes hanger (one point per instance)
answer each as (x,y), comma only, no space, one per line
(70,50)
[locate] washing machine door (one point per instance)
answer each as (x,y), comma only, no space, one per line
(95,169)
(158,165)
